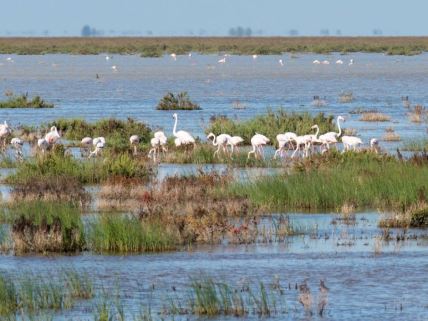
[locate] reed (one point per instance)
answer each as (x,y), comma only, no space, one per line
(46,227)
(271,124)
(415,145)
(126,234)
(327,182)
(374,117)
(157,46)
(390,135)
(22,101)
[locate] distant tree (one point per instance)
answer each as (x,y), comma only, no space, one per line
(248,32)
(293,32)
(338,32)
(324,32)
(232,32)
(86,31)
(377,32)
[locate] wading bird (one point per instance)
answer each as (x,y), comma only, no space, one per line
(43,145)
(281,62)
(339,62)
(374,145)
(85,146)
(255,57)
(316,62)
(134,140)
(5,131)
(17,144)
(158,143)
(331,137)
(52,136)
(284,140)
(222,60)
(99,144)
(221,141)
(184,137)
(257,142)
(234,141)
(173,56)
(351,142)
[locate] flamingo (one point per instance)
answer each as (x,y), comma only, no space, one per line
(302,140)
(281,62)
(185,137)
(107,58)
(98,149)
(17,143)
(221,141)
(158,142)
(374,145)
(5,131)
(326,62)
(173,56)
(283,140)
(234,141)
(255,57)
(331,137)
(351,142)
(85,145)
(339,62)
(351,62)
(43,144)
(313,138)
(53,136)
(222,60)
(190,55)
(114,68)
(257,142)
(134,140)
(316,62)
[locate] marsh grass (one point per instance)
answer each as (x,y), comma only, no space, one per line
(418,114)
(157,46)
(415,145)
(44,227)
(180,101)
(270,124)
(374,117)
(326,182)
(22,101)
(390,135)
(127,234)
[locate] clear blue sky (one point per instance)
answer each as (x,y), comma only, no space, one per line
(213,17)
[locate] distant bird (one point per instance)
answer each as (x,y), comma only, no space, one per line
(281,62)
(158,143)
(339,62)
(305,297)
(107,57)
(351,142)
(316,62)
(257,142)
(331,137)
(222,60)
(114,68)
(221,141)
(98,149)
(190,55)
(52,136)
(97,140)
(17,144)
(255,57)
(85,146)
(173,56)
(325,62)
(374,145)
(9,59)
(5,131)
(134,140)
(322,298)
(234,141)
(351,62)
(184,137)
(283,141)
(43,145)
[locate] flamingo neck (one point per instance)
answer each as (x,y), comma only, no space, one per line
(317,132)
(175,127)
(215,142)
(340,129)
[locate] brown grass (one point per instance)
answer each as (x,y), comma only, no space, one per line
(375,117)
(418,114)
(154,46)
(391,135)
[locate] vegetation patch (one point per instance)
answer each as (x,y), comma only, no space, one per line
(44,227)
(326,182)
(390,135)
(271,124)
(180,101)
(375,117)
(23,101)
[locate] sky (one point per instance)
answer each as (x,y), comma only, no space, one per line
(212,17)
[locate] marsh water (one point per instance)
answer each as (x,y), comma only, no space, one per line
(368,277)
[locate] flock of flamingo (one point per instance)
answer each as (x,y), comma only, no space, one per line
(301,145)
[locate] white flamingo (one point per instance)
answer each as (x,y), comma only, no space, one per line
(283,141)
(52,136)
(158,142)
(302,140)
(134,140)
(281,62)
(185,137)
(316,62)
(351,62)
(43,145)
(85,145)
(374,145)
(5,131)
(99,144)
(325,62)
(351,142)
(255,57)
(114,68)
(221,141)
(173,56)
(331,137)
(222,60)
(257,142)
(234,141)
(17,144)
(339,62)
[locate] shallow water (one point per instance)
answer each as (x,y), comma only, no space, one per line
(377,82)
(388,283)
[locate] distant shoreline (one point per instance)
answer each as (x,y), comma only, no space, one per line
(158,46)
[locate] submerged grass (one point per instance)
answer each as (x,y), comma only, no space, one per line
(375,117)
(157,46)
(326,182)
(271,124)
